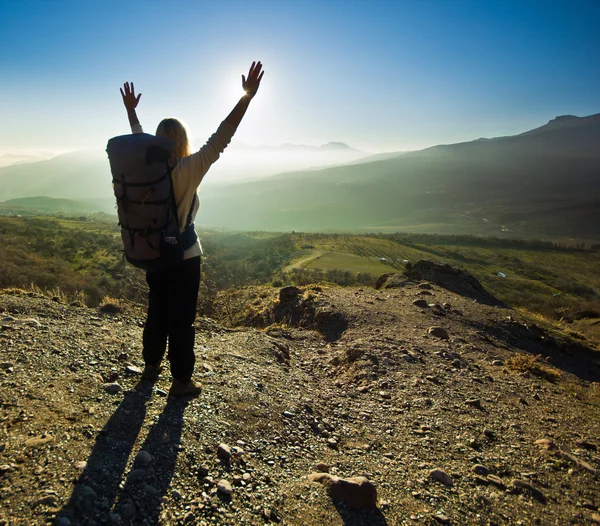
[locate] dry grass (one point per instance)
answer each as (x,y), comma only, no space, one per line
(533,365)
(110,305)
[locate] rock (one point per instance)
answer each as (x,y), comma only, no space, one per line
(247,477)
(287,293)
(578,462)
(497,481)
(224,487)
(45,438)
(176,494)
(489,433)
(422,304)
(391,281)
(203,471)
(596,517)
(480,470)
(441,476)
(189,517)
(6,365)
(332,443)
(534,492)
(321,467)
(289,414)
(81,465)
(223,452)
(270,515)
(545,443)
(497,363)
(439,332)
(355,492)
(143,458)
(474,402)
(586,445)
(161,392)
(46,500)
(132,369)
(112,388)
(448,277)
(442,519)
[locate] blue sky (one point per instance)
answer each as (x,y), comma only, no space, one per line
(379,75)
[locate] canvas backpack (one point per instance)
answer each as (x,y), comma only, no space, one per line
(141,175)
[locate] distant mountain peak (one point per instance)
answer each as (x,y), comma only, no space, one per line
(563,118)
(336,146)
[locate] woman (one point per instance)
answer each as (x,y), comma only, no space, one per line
(174,291)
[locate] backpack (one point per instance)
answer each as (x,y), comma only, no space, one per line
(141,176)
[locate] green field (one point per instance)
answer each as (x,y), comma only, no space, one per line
(325,260)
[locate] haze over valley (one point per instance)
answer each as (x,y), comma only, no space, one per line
(540,183)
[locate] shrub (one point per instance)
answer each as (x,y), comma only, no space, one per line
(526,363)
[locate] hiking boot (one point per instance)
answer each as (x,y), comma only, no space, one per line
(190,388)
(151,372)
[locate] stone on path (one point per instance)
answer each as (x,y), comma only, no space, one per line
(545,443)
(534,492)
(40,440)
(474,402)
(422,304)
(112,388)
(224,487)
(480,470)
(355,492)
(223,452)
(439,332)
(321,467)
(441,476)
(578,462)
(132,369)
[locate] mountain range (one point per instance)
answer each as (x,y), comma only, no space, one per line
(540,183)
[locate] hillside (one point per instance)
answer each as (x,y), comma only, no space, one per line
(463,428)
(541,183)
(85,175)
(82,260)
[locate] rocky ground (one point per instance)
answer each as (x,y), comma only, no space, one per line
(414,387)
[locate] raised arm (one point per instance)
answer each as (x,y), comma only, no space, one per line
(196,165)
(131,101)
(250,87)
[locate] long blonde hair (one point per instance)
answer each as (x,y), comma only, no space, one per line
(175,131)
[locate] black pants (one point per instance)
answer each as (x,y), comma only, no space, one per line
(171,314)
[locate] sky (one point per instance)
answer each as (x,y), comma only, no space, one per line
(379,75)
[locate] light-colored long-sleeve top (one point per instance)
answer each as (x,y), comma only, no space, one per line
(188,174)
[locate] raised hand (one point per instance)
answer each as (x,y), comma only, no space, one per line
(129,98)
(251,84)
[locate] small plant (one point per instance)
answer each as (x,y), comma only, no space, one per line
(526,363)
(110,305)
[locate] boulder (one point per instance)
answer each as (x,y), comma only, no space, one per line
(355,492)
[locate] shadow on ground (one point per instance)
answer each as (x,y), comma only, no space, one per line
(366,517)
(150,477)
(558,349)
(98,490)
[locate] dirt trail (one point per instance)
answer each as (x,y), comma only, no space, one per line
(387,399)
